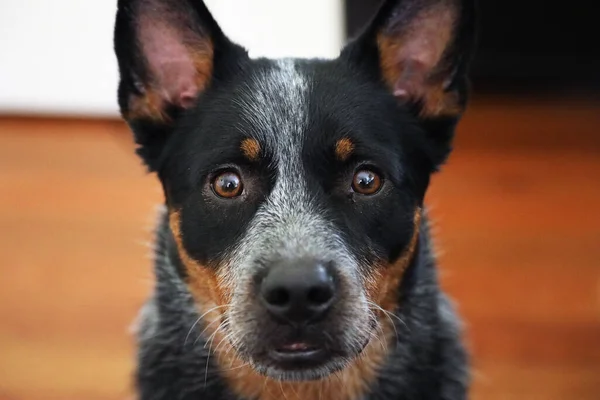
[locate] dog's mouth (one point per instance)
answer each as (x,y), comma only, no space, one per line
(306,364)
(296,349)
(296,355)
(291,350)
(303,360)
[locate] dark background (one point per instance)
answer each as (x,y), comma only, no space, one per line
(531,46)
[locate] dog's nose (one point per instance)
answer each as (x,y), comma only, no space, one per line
(298,292)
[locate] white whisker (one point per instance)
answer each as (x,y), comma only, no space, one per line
(198,320)
(389,315)
(210,340)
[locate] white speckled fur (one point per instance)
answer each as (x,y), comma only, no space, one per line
(288,225)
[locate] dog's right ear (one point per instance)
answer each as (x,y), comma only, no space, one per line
(169,52)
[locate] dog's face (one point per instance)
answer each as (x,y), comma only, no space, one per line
(294,187)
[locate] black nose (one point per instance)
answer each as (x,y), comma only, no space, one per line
(298,292)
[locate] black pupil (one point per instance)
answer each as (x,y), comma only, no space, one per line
(366,179)
(229,183)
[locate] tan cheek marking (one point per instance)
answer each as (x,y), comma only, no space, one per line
(209,291)
(352,382)
(204,284)
(250,148)
(343,149)
(382,286)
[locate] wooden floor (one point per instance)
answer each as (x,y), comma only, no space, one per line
(517,221)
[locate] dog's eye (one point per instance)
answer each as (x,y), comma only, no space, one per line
(227,184)
(366,182)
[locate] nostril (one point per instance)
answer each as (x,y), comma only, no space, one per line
(300,292)
(278,297)
(320,295)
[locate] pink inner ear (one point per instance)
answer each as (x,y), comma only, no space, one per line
(422,46)
(170,61)
(411,79)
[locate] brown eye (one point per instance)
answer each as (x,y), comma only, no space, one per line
(227,185)
(366,182)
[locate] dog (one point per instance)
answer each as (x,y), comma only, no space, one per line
(293,258)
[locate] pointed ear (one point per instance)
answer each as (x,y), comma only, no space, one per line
(165,50)
(422,49)
(169,52)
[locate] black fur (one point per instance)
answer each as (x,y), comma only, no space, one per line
(346,97)
(428,363)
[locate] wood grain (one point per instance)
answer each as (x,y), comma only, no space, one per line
(517,225)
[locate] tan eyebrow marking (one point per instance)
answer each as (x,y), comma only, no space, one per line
(250,148)
(344,148)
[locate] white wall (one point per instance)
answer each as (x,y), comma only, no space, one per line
(56,56)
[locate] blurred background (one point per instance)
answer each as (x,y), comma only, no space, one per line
(515,209)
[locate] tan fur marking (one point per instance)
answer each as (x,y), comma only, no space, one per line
(153,102)
(205,286)
(413,56)
(251,149)
(351,383)
(343,149)
(382,287)
(149,105)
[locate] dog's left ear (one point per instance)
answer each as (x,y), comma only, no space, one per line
(421,50)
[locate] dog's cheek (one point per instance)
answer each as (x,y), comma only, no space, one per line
(203,281)
(384,280)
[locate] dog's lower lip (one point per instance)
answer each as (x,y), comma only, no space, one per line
(295,348)
(297,354)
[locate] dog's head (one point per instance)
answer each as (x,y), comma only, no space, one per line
(294,187)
